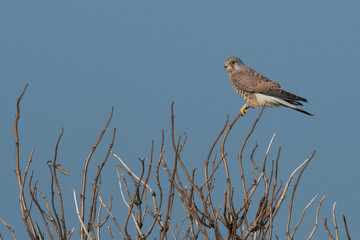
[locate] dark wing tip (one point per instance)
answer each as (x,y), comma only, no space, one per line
(284,95)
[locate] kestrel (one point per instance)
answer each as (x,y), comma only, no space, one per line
(258,90)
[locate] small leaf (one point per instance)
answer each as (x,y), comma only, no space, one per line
(62,170)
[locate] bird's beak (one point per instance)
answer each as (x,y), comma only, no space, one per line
(226,65)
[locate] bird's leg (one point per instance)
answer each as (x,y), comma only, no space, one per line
(243,110)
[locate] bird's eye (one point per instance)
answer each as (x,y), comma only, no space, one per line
(232,62)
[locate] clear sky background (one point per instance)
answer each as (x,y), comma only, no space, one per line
(80,58)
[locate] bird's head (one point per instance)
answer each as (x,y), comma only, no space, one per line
(233,63)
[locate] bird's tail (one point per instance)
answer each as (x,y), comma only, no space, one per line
(289,105)
(303,111)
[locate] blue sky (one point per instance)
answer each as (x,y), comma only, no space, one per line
(81,58)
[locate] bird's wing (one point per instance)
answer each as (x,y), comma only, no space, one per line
(250,81)
(287,96)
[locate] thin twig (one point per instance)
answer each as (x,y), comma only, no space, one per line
(62,225)
(82,195)
(317,218)
(96,186)
(327,229)
(9,227)
(29,224)
(335,224)
(114,219)
(302,216)
(79,216)
(346,228)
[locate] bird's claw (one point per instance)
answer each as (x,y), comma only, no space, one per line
(243,111)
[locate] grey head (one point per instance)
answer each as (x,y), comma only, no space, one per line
(233,63)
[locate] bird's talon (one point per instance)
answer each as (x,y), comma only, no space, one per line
(243,111)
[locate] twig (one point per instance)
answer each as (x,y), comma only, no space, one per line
(112,237)
(327,229)
(44,215)
(29,224)
(292,198)
(131,172)
(346,228)
(82,195)
(287,185)
(246,198)
(60,223)
(317,219)
(335,224)
(79,216)
(96,186)
(223,157)
(114,219)
(302,216)
(9,227)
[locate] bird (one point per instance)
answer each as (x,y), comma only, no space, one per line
(257,90)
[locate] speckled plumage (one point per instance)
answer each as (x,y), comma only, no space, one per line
(257,89)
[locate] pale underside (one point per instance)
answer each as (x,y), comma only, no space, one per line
(270,101)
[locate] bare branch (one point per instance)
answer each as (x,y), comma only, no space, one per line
(96,186)
(29,224)
(302,216)
(327,229)
(346,228)
(317,218)
(335,224)
(62,225)
(114,219)
(79,216)
(82,195)
(8,227)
